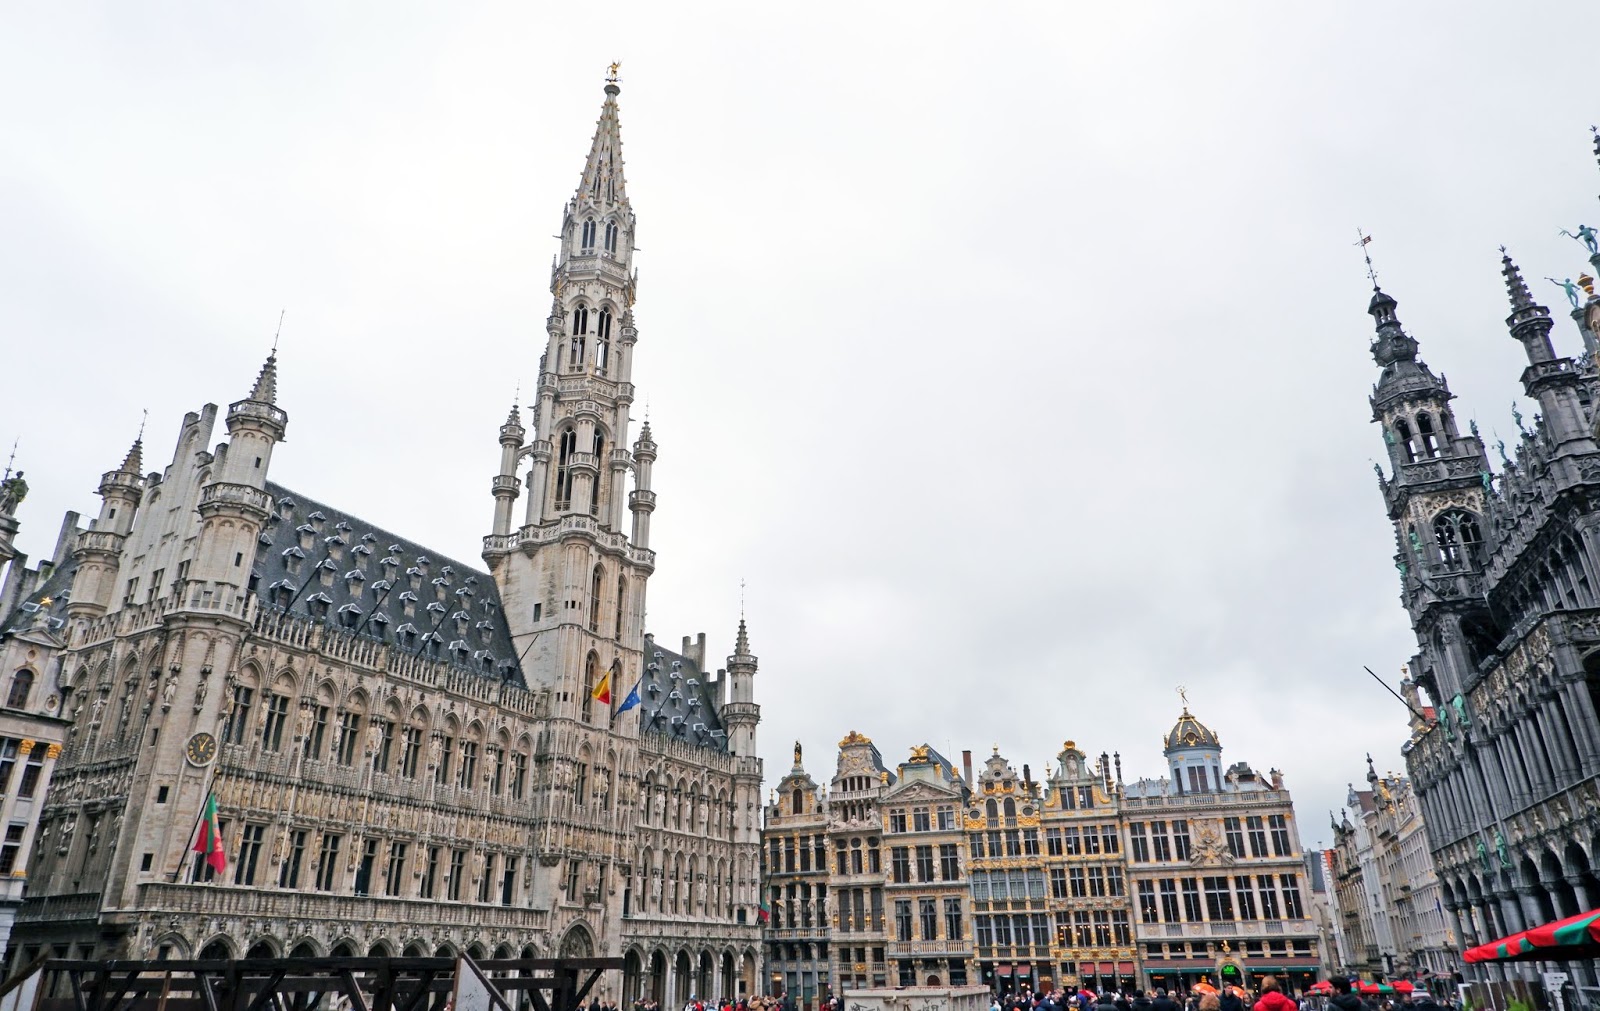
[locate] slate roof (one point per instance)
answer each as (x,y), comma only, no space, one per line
(676,699)
(56,587)
(321,563)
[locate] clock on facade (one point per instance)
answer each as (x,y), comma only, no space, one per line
(201,749)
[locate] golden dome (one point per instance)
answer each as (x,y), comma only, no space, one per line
(1189,732)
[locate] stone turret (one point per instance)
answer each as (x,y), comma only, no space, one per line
(234,505)
(98,550)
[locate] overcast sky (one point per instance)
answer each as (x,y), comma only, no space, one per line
(1015,355)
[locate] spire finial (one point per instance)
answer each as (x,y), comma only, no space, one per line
(1183,696)
(144,417)
(12,458)
(741,598)
(265,390)
(1362,240)
(1516,287)
(611,73)
(277,332)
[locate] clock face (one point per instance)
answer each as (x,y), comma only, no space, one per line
(201,749)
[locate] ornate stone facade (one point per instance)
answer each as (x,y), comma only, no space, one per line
(1499,574)
(1007,881)
(410,754)
(1390,904)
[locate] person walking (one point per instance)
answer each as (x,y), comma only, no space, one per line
(1272,998)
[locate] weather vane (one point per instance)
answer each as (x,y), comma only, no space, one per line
(1183,696)
(13,458)
(1362,239)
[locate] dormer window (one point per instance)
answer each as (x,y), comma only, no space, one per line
(362,555)
(335,546)
(349,616)
(353,580)
(408,603)
(318,603)
(326,571)
(282,593)
(406,635)
(308,535)
(439,585)
(317,520)
(414,575)
(390,566)
(293,558)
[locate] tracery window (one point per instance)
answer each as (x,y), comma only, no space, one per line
(1459,538)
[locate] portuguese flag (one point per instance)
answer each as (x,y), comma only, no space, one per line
(209,841)
(764,911)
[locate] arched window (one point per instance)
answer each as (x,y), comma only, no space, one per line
(569,446)
(1011,811)
(1430,442)
(21,688)
(622,597)
(591,675)
(1402,433)
(797,803)
(1459,539)
(580,328)
(588,230)
(594,599)
(602,342)
(991,810)
(611,236)
(599,475)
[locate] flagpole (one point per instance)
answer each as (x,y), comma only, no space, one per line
(188,846)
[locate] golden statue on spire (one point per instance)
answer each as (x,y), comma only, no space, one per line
(611,72)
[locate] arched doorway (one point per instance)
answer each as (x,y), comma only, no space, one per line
(261,949)
(577,943)
(444,951)
(632,973)
(726,985)
(658,977)
(344,949)
(416,950)
(702,983)
(682,978)
(305,949)
(378,950)
(933,980)
(217,949)
(747,975)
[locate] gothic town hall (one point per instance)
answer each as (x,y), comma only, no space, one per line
(408,751)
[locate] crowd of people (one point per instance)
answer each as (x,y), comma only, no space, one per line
(1270,997)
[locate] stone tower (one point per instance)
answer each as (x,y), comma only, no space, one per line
(571,579)
(1437,502)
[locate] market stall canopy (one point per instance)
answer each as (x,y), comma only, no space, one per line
(1575,937)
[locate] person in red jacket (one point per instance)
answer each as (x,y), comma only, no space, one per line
(1272,998)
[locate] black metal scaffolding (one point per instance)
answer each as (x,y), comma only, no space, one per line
(312,984)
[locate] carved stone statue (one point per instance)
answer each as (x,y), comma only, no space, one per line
(12,491)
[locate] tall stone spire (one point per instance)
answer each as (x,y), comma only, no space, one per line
(1554,382)
(133,463)
(265,390)
(602,181)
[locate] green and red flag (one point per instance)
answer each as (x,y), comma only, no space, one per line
(209,842)
(764,912)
